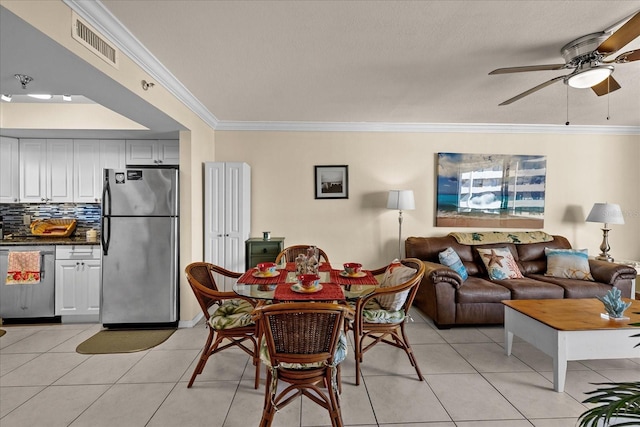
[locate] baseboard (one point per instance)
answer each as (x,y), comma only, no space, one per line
(191,323)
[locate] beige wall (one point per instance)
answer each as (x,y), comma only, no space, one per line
(581,170)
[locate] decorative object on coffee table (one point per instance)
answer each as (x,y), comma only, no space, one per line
(613,304)
(606,213)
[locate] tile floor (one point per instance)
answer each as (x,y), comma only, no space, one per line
(469,382)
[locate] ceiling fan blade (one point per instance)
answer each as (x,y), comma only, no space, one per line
(625,34)
(630,56)
(608,85)
(533,89)
(528,68)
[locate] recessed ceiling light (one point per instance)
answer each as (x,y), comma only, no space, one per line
(40,95)
(66,98)
(6,98)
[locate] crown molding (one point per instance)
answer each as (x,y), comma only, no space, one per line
(426,128)
(99,17)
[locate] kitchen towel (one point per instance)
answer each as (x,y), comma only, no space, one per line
(24,268)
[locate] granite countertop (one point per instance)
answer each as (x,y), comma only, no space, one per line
(21,240)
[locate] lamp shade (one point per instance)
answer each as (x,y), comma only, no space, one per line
(607,213)
(401,200)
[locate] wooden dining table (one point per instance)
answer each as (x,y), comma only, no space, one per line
(335,285)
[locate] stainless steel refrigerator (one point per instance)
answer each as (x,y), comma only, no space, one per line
(139,237)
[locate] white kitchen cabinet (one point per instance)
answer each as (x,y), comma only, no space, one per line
(78,273)
(90,157)
(227,216)
(46,170)
(152,152)
(9,170)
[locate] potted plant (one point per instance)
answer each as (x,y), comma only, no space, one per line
(620,403)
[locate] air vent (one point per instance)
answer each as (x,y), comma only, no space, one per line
(93,41)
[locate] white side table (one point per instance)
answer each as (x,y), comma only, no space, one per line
(636,265)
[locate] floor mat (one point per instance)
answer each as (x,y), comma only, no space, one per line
(2,332)
(124,341)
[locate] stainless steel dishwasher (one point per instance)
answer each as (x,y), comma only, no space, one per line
(29,300)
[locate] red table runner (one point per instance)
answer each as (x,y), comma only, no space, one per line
(329,292)
(249,279)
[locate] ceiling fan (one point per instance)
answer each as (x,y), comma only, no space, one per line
(586,56)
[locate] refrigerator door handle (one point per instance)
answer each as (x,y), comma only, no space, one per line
(105,237)
(105,225)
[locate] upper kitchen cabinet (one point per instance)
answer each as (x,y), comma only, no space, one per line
(90,157)
(153,152)
(46,170)
(9,170)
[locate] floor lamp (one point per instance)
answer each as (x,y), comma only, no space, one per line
(606,213)
(402,200)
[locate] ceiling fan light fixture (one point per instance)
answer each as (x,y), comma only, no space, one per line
(6,98)
(40,95)
(588,77)
(66,98)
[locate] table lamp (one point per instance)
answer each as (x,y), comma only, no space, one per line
(606,213)
(402,200)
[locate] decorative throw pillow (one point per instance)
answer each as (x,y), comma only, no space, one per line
(396,274)
(500,264)
(450,258)
(568,263)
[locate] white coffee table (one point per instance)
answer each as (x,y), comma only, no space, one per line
(571,329)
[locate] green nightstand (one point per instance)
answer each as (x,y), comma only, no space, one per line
(260,250)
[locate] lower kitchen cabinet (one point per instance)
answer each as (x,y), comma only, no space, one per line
(78,283)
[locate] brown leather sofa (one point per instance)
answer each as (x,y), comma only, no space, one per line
(448,300)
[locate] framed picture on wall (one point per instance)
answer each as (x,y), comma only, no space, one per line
(332,182)
(491,190)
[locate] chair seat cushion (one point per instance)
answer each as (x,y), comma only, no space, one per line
(338,357)
(373,312)
(234,313)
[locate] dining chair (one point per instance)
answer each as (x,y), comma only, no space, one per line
(231,320)
(302,345)
(291,252)
(380,317)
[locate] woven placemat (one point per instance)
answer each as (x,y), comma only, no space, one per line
(124,341)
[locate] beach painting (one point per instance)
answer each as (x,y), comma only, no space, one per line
(490,190)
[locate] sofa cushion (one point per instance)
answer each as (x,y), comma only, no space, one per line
(576,288)
(531,257)
(530,288)
(450,258)
(500,263)
(568,263)
(477,290)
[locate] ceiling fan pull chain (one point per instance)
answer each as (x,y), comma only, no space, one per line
(608,97)
(567,122)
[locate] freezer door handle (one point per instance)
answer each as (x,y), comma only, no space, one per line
(106,195)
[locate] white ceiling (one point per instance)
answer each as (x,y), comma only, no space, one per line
(402,62)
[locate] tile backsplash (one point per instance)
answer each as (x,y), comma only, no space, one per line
(87,215)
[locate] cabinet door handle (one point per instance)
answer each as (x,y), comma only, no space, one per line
(264,250)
